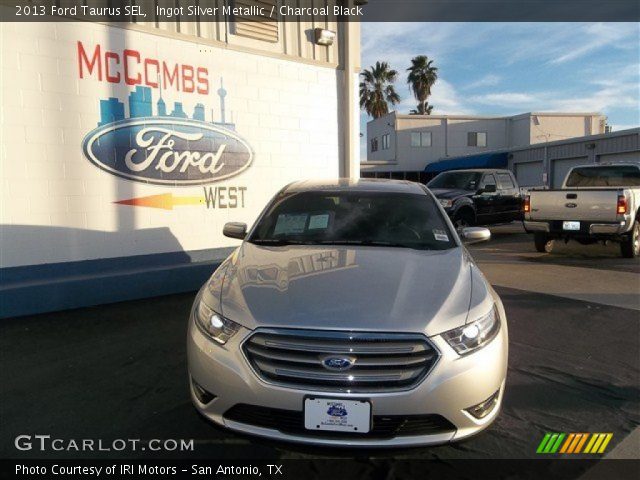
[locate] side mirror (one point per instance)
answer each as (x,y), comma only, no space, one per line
(475,234)
(235,230)
(491,188)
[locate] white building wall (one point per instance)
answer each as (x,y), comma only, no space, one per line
(56,206)
(375,130)
(449,136)
(549,127)
(496,130)
(415,157)
(520,131)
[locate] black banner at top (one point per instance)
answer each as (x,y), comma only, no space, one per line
(155,11)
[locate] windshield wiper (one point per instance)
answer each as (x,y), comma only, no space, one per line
(373,243)
(277,242)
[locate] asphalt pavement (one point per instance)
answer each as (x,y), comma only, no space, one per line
(119,371)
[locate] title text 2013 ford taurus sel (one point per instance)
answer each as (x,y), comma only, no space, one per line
(350,315)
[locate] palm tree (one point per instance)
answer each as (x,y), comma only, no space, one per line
(422,76)
(427,110)
(377,90)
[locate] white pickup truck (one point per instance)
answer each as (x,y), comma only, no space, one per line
(596,203)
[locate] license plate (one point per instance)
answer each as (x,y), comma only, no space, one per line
(571,225)
(337,415)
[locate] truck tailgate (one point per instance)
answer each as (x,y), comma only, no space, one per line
(596,205)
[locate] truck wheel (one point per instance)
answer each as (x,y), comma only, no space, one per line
(464,218)
(630,246)
(542,243)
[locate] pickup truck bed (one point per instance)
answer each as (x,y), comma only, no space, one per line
(586,214)
(585,205)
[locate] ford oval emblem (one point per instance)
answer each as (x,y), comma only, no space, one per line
(338,363)
(167,151)
(571,205)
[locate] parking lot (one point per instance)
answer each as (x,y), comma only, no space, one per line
(119,371)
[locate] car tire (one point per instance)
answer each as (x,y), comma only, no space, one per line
(630,246)
(542,243)
(464,218)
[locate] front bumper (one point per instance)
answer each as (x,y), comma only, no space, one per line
(455,384)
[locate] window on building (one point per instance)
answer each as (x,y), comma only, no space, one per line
(374,144)
(505,182)
(385,141)
(477,139)
(420,139)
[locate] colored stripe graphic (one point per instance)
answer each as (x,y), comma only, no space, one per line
(581,442)
(550,443)
(544,441)
(598,443)
(567,443)
(556,445)
(165,201)
(605,442)
(573,443)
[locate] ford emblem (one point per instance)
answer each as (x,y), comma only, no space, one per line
(337,410)
(167,151)
(338,363)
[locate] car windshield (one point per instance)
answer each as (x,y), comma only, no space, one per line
(354,218)
(457,180)
(613,176)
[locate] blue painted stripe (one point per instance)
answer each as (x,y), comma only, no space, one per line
(45,288)
(45,271)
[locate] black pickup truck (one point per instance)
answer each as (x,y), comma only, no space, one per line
(478,197)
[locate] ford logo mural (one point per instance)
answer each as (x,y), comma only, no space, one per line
(338,363)
(167,151)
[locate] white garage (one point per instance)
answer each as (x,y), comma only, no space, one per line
(528,174)
(623,157)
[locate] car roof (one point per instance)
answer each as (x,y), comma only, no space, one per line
(608,164)
(360,185)
(480,170)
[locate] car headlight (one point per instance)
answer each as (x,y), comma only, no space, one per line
(445,203)
(475,335)
(214,325)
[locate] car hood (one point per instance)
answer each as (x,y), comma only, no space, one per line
(345,288)
(447,193)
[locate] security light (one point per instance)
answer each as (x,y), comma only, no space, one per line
(324,37)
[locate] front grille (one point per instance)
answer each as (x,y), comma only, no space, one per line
(383,427)
(379,362)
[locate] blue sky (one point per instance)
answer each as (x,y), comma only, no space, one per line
(510,68)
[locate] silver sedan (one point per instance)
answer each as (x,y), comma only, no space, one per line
(351,314)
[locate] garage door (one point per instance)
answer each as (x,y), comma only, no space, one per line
(529,174)
(559,169)
(629,157)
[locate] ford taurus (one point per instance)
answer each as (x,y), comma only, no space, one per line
(351,314)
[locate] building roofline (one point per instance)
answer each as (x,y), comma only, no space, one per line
(587,138)
(406,116)
(598,136)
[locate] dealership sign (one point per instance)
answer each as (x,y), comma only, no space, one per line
(142,138)
(167,151)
